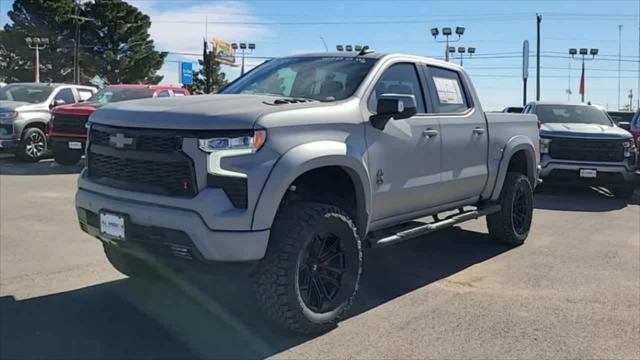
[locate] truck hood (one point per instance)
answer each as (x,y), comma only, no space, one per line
(583,131)
(200,112)
(6,106)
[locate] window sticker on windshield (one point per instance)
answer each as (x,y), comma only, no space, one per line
(448,91)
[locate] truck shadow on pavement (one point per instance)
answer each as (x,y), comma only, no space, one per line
(585,199)
(210,316)
(10,165)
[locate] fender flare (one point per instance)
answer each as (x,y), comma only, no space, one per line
(306,157)
(515,144)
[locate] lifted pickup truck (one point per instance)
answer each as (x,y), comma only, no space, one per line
(300,164)
(67,132)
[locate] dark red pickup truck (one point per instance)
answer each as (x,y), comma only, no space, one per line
(67,132)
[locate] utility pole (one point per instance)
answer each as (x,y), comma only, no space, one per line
(619,60)
(37,44)
(78,21)
(538,21)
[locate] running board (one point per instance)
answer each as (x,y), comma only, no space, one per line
(434,226)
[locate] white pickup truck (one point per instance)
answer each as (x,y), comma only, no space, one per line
(297,166)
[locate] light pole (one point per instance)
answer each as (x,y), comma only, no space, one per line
(78,20)
(583,52)
(37,44)
(619,61)
(244,47)
(446,32)
(462,51)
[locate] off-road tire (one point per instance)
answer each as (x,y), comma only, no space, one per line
(128,264)
(624,191)
(66,157)
(32,137)
(503,225)
(277,276)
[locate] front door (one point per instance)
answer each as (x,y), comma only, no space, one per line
(404,157)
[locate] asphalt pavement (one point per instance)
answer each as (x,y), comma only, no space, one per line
(571,291)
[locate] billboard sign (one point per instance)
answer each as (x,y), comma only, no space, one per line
(186,73)
(223,53)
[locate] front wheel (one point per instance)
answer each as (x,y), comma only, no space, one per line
(311,271)
(32,146)
(66,157)
(512,223)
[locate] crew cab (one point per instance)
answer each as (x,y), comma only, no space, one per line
(67,132)
(298,165)
(25,110)
(579,143)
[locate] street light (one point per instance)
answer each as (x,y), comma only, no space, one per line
(462,51)
(583,52)
(446,32)
(37,44)
(362,49)
(250,47)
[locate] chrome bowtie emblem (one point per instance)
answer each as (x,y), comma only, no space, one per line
(120,141)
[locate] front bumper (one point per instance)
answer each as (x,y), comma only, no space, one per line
(9,143)
(568,170)
(168,227)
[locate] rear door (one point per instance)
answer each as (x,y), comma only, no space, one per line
(463,132)
(404,163)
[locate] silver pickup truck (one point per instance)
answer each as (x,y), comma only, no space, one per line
(300,164)
(580,144)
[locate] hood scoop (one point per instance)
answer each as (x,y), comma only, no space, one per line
(285,101)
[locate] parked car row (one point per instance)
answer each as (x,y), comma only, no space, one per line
(36,116)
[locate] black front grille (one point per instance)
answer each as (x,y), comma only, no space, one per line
(147,164)
(586,150)
(143,142)
(8,128)
(70,124)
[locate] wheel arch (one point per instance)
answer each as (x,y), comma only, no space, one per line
(519,155)
(303,160)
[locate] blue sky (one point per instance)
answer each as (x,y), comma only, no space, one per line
(495,28)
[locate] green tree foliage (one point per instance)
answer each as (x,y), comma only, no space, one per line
(115,44)
(217,79)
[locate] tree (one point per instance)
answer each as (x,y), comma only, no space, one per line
(122,50)
(37,18)
(216,80)
(115,44)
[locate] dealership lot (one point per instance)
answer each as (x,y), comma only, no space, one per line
(573,289)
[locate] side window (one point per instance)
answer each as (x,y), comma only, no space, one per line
(65,95)
(448,91)
(179,93)
(398,79)
(164,93)
(526,109)
(84,94)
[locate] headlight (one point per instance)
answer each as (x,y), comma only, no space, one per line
(629,148)
(544,145)
(8,115)
(252,143)
(219,148)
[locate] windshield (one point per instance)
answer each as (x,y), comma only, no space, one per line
(318,78)
(31,93)
(115,94)
(578,114)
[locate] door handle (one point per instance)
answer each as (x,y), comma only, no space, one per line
(429,133)
(478,131)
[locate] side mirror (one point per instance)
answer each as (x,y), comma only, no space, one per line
(57,103)
(396,106)
(625,125)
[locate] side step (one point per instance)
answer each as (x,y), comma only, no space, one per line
(424,229)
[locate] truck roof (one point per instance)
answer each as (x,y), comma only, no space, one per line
(380,55)
(54,85)
(143,86)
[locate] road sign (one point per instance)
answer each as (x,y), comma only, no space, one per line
(186,73)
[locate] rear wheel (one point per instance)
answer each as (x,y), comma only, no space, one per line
(512,223)
(65,156)
(311,271)
(623,191)
(32,146)
(128,264)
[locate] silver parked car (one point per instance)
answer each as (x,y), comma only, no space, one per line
(25,110)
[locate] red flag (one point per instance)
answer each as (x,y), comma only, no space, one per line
(581,87)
